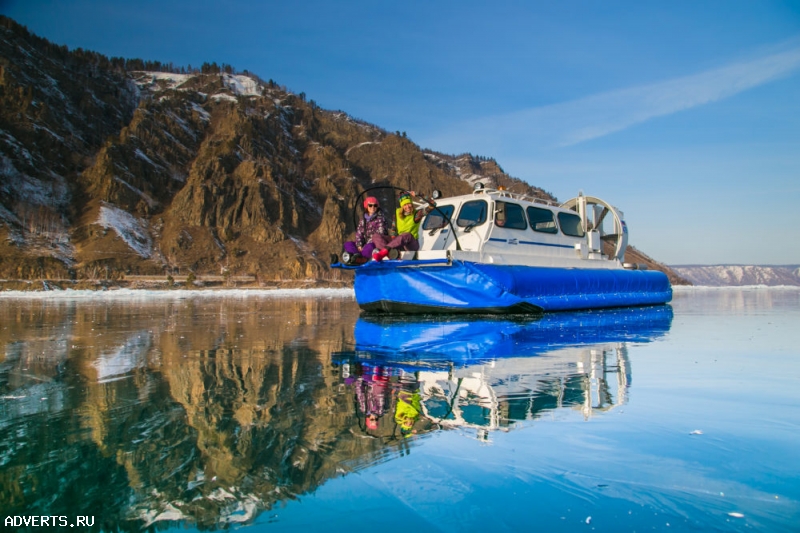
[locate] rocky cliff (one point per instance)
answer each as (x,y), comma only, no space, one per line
(108,169)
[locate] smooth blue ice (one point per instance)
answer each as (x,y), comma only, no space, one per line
(201,411)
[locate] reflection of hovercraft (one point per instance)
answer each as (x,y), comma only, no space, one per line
(466,340)
(491,373)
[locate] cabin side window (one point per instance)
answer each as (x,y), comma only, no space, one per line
(508,215)
(438,218)
(570,224)
(542,220)
(472,214)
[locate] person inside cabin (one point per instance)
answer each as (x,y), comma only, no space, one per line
(371,224)
(500,214)
(404,234)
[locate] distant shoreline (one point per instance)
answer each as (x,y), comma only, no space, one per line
(252,292)
(167,284)
(739,275)
(124,293)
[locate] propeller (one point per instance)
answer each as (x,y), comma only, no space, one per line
(614,243)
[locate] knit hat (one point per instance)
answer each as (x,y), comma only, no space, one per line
(405,199)
(371,200)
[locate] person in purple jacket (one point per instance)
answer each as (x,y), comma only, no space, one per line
(373,222)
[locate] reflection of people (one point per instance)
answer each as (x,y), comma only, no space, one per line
(379,390)
(372,223)
(408,405)
(405,230)
(372,394)
(407,411)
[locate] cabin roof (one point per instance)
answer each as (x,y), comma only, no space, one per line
(501,194)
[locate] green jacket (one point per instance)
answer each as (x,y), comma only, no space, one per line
(408,408)
(408,224)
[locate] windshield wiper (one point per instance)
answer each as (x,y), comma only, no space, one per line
(432,232)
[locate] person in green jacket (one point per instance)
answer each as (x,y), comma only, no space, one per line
(405,230)
(407,411)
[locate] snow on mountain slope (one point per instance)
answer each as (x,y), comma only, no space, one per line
(132,230)
(740,275)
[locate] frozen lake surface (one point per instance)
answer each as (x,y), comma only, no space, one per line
(288,411)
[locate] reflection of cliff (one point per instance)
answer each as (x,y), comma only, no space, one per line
(206,411)
(258,431)
(253,392)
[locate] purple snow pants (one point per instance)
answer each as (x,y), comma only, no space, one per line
(403,242)
(351,248)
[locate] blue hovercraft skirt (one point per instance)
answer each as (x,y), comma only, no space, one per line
(426,287)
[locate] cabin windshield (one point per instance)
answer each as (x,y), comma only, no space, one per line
(438,218)
(570,224)
(472,214)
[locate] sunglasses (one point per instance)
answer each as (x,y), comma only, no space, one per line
(372,205)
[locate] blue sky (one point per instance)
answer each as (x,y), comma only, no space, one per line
(684,114)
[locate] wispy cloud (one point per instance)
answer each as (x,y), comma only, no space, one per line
(576,121)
